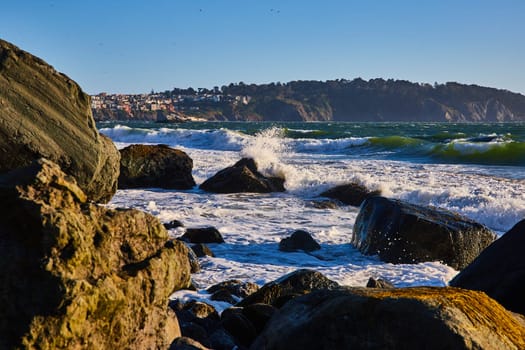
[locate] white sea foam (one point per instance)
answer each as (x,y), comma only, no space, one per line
(253,224)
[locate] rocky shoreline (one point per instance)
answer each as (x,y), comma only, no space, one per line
(75,274)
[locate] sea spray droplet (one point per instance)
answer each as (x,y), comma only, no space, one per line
(267,148)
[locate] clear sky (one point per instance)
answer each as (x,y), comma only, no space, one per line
(134,46)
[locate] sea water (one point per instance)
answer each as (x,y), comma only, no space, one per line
(476,170)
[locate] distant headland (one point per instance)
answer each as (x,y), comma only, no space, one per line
(332,100)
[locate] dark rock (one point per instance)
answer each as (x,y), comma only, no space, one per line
(195,266)
(259,315)
(499,270)
(352,194)
(378,283)
(243,176)
(298,282)
(202,250)
(201,310)
(299,240)
(368,318)
(222,340)
(195,331)
(224,295)
(155,166)
(202,235)
(323,204)
(238,325)
(80,275)
(235,287)
(185,343)
(400,232)
(173,224)
(46,114)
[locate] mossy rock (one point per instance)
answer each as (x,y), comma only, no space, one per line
(79,275)
(403,318)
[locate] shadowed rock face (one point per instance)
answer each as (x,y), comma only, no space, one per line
(289,286)
(404,318)
(243,176)
(78,275)
(499,270)
(43,113)
(351,194)
(155,166)
(401,232)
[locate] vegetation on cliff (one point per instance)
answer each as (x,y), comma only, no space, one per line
(342,100)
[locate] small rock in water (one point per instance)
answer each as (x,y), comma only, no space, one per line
(201,250)
(352,194)
(173,224)
(299,240)
(202,235)
(378,283)
(243,176)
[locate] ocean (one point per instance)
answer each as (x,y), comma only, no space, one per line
(474,169)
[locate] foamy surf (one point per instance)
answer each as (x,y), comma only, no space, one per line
(312,162)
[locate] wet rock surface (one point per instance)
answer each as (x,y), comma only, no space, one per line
(400,232)
(155,166)
(243,176)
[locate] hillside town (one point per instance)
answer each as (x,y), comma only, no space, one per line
(158,106)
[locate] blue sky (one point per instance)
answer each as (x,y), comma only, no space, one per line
(135,46)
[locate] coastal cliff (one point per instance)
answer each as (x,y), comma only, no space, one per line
(334,100)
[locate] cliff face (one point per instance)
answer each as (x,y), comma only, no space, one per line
(344,100)
(384,100)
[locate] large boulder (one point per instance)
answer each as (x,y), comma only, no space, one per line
(78,275)
(352,194)
(401,232)
(243,176)
(155,166)
(46,114)
(289,286)
(499,270)
(408,318)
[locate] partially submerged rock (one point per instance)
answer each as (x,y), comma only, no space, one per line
(78,275)
(378,283)
(299,240)
(202,235)
(403,318)
(46,114)
(235,287)
(289,286)
(352,194)
(499,270)
(201,250)
(155,166)
(401,232)
(243,176)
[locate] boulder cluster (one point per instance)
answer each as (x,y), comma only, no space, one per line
(75,274)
